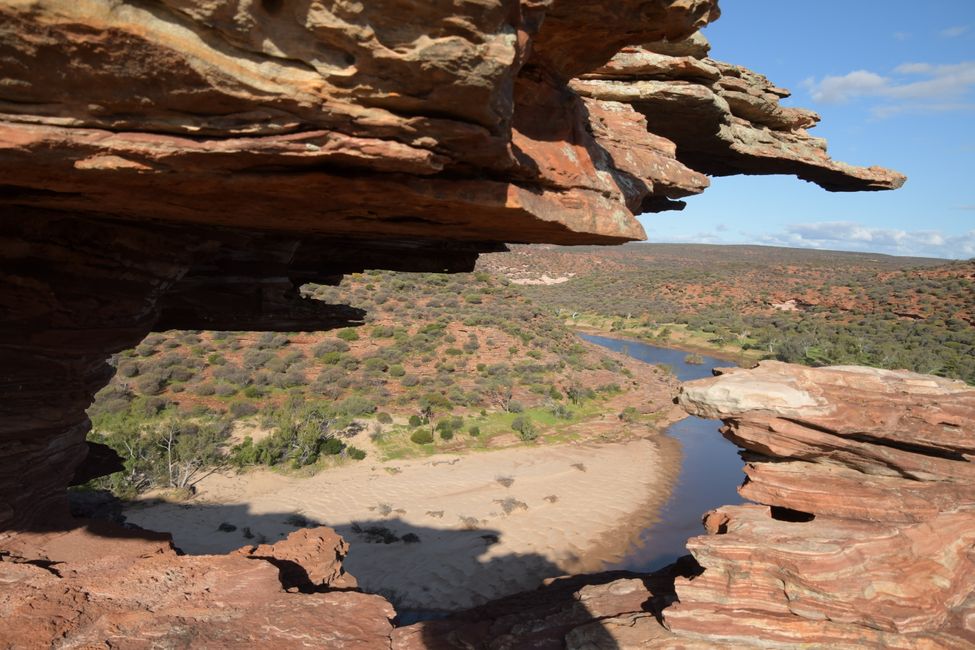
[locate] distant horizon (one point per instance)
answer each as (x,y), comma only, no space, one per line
(800,248)
(894,88)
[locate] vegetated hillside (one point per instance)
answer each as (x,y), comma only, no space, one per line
(798,305)
(443,363)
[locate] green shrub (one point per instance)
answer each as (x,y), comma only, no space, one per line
(128,369)
(375,364)
(629,414)
(525,428)
(240,409)
(253,392)
(415,420)
(474,431)
(271,341)
(330,345)
(330,358)
(348,334)
(356,405)
(355,453)
(332,446)
(396,370)
(447,434)
(152,384)
(223,389)
(384,418)
(422,437)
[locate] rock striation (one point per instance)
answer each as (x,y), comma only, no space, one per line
(864,530)
(724,119)
(191,163)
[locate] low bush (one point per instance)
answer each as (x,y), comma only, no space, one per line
(525,428)
(240,409)
(355,453)
(422,437)
(348,334)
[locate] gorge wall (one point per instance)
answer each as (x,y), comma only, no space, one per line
(191,163)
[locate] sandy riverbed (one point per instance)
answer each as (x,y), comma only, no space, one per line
(488,524)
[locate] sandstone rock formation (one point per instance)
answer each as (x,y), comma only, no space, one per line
(865,536)
(723,118)
(191,163)
(100,585)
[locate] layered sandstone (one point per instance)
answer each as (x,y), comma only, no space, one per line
(191,163)
(865,532)
(724,119)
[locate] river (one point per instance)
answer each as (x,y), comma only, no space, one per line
(711,469)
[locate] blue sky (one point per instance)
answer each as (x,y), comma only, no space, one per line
(894,83)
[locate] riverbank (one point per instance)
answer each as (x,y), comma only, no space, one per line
(678,340)
(445,532)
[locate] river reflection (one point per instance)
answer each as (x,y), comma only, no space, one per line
(711,468)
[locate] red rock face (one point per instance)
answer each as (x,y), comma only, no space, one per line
(866,535)
(99,585)
(190,163)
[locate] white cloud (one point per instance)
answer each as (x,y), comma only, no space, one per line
(943,80)
(841,236)
(836,90)
(954,31)
(889,110)
(852,236)
(913,86)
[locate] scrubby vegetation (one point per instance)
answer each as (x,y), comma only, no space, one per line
(443,362)
(750,302)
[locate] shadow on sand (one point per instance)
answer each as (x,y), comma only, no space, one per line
(506,590)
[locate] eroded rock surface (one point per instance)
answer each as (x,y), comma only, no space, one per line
(865,536)
(723,118)
(98,585)
(190,163)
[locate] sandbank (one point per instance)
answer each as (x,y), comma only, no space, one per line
(485,524)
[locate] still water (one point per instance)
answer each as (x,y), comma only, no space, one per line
(710,472)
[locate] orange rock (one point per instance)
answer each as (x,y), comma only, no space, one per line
(101,585)
(867,535)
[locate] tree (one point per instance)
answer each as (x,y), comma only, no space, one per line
(190,450)
(500,394)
